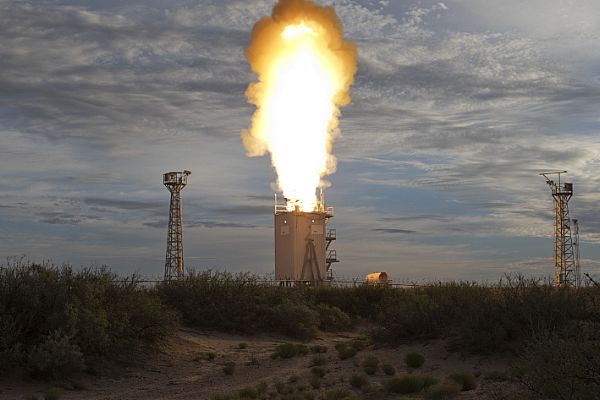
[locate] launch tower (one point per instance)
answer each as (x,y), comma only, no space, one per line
(302,243)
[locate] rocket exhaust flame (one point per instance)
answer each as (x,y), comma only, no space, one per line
(305,69)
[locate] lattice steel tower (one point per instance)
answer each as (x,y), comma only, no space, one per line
(175,182)
(565,262)
(576,247)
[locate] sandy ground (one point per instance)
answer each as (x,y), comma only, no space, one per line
(182,370)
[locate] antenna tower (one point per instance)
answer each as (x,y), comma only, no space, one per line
(175,182)
(566,270)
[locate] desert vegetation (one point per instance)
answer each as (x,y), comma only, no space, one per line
(57,321)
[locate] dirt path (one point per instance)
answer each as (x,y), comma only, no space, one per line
(183,369)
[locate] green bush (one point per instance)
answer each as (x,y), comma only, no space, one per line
(443,391)
(336,394)
(262,387)
(370,365)
(562,365)
(229,368)
(497,376)
(482,319)
(317,348)
(465,379)
(388,369)
(284,389)
(429,381)
(315,381)
(81,384)
(345,352)
(294,320)
(404,384)
(318,360)
(350,348)
(55,354)
(55,321)
(53,393)
(289,350)
(318,371)
(358,381)
(414,360)
(332,319)
(248,393)
(239,303)
(242,345)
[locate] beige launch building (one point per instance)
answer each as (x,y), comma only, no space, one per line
(302,244)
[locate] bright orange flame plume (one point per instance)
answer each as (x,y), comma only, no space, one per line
(305,69)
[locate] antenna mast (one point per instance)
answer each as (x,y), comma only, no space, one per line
(175,182)
(566,270)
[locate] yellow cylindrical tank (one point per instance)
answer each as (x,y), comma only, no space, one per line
(377,278)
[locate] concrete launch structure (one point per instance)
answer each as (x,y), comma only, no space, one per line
(302,244)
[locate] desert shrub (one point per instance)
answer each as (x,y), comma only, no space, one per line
(318,371)
(308,395)
(562,366)
(81,384)
(349,348)
(239,303)
(482,319)
(317,348)
(54,393)
(429,381)
(332,319)
(345,351)
(315,381)
(357,302)
(443,391)
(388,369)
(242,345)
(55,355)
(283,388)
(404,384)
(465,379)
(359,343)
(336,394)
(410,315)
(358,381)
(497,376)
(289,350)
(54,320)
(248,393)
(294,320)
(414,360)
(318,360)
(229,368)
(262,387)
(370,365)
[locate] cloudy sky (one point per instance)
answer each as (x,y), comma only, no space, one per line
(456,108)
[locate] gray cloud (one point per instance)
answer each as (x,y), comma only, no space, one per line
(124,204)
(245,209)
(456,108)
(392,230)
